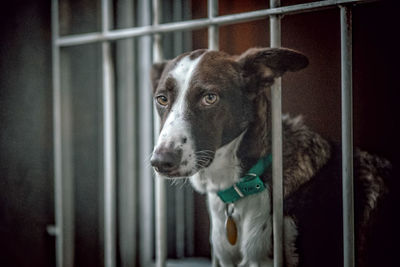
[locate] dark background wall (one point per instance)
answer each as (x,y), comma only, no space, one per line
(26,165)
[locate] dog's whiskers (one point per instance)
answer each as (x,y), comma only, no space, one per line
(146,160)
(178,182)
(206,153)
(204,158)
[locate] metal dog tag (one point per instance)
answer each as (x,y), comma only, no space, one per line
(230,227)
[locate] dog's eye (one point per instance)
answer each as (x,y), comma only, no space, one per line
(209,99)
(162,100)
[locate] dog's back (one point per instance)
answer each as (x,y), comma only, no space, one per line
(317,207)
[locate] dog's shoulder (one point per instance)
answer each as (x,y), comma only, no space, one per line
(305,152)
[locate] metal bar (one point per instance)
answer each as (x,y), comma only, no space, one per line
(160,186)
(68,230)
(109,143)
(161,222)
(179,193)
(180,222)
(109,158)
(145,146)
(158,54)
(189,226)
(63,167)
(79,39)
(277,173)
(57,138)
(213,31)
(127,163)
(347,135)
(213,44)
(188,191)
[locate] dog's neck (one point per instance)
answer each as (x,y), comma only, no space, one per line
(257,140)
(223,172)
(304,153)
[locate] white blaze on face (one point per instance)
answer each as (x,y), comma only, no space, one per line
(176,130)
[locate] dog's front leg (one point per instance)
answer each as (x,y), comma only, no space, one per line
(214,261)
(268,263)
(223,261)
(222,264)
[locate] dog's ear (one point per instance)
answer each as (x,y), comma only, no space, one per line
(156,72)
(265,64)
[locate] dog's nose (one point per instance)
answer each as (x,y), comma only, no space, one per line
(166,160)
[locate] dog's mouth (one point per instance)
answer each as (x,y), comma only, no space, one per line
(186,168)
(176,173)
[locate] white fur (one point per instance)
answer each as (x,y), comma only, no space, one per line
(223,172)
(251,214)
(176,127)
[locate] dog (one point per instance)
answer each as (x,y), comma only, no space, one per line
(214,111)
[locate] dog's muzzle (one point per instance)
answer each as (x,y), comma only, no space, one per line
(166,160)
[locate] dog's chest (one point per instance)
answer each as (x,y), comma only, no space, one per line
(252,218)
(250,214)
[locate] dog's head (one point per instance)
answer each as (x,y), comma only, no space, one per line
(205,99)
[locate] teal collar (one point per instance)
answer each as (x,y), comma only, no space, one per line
(249,184)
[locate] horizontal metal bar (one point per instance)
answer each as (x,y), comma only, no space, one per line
(80,39)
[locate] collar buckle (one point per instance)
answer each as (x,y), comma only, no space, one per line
(240,193)
(249,184)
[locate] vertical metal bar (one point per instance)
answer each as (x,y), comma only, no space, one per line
(189,220)
(161,222)
(213,44)
(277,184)
(188,192)
(160,186)
(213,30)
(145,107)
(179,193)
(127,163)
(347,135)
(63,168)
(177,14)
(180,222)
(158,55)
(109,158)
(58,198)
(109,143)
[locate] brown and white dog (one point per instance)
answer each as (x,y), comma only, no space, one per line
(215,125)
